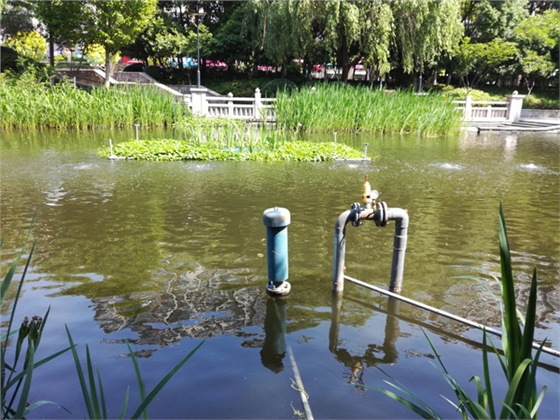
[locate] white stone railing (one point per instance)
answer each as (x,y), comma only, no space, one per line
(250,109)
(262,109)
(509,110)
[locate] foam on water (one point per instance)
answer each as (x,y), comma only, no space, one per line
(531,167)
(447,165)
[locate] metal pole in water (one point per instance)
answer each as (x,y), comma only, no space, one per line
(276,220)
(365,150)
(136,130)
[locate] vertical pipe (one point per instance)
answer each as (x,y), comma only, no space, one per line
(399,247)
(276,221)
(197,53)
(340,250)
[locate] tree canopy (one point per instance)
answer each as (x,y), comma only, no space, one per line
(470,40)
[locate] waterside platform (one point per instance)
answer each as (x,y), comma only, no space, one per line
(527,125)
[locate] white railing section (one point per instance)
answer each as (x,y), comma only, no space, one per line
(250,109)
(262,109)
(509,110)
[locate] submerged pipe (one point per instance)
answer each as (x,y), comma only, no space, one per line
(468,322)
(381,216)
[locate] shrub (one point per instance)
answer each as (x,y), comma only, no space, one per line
(134,68)
(274,86)
(155,71)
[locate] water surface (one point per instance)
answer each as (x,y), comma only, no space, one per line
(165,255)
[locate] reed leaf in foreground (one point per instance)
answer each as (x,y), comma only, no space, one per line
(518,364)
(15,386)
(93,391)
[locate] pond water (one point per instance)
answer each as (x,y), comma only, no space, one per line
(166,255)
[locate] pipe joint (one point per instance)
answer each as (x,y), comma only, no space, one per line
(355,214)
(380,216)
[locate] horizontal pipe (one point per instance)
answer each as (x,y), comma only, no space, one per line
(443,313)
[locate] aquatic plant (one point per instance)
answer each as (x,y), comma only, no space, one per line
(336,107)
(26,103)
(94,396)
(240,148)
(15,386)
(518,363)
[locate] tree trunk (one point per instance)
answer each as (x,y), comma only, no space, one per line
(108,67)
(51,49)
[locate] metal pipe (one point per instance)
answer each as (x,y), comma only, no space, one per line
(380,216)
(399,247)
(197,54)
(442,313)
(301,389)
(340,244)
(340,250)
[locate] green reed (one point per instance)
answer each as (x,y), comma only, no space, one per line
(336,107)
(17,378)
(518,363)
(26,103)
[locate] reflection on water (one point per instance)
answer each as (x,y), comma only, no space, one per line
(165,253)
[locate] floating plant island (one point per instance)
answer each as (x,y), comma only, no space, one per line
(270,150)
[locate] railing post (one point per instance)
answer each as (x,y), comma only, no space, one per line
(467,112)
(514,106)
(258,105)
(199,101)
(230,105)
(489,111)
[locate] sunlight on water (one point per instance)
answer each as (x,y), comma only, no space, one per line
(167,254)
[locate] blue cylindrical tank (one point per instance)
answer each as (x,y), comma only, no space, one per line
(276,221)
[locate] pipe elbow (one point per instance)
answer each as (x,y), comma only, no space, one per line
(399,215)
(343,220)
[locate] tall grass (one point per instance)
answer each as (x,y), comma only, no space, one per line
(336,107)
(518,363)
(26,103)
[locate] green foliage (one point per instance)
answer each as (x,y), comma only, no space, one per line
(426,30)
(8,59)
(335,107)
(459,94)
(15,386)
(518,364)
(116,23)
(230,144)
(28,44)
(477,60)
(27,103)
(94,396)
(271,89)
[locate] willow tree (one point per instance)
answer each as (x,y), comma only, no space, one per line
(424,32)
(375,39)
(115,23)
(289,31)
(342,32)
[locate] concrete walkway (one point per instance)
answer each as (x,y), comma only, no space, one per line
(530,125)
